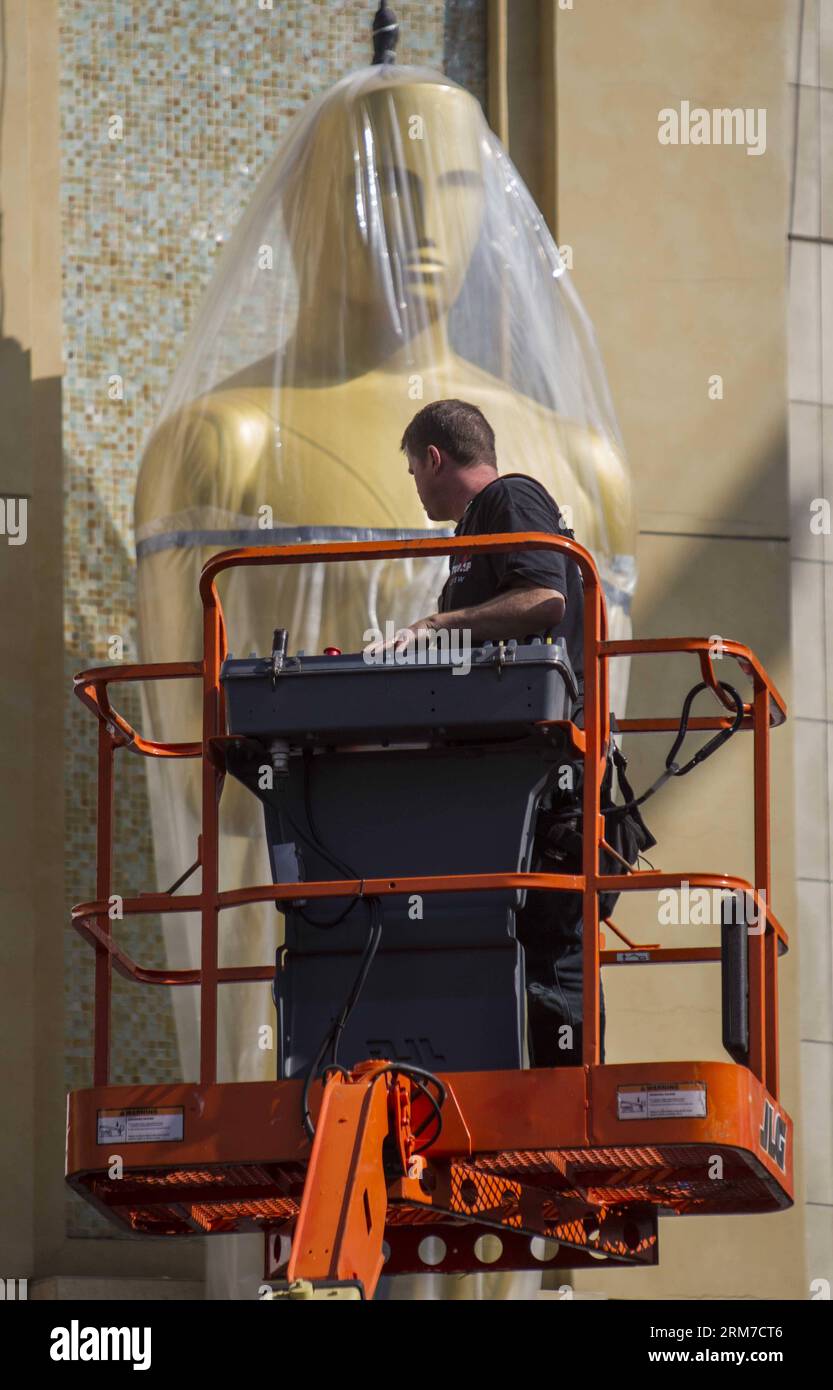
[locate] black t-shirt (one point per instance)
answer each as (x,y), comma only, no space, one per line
(515,502)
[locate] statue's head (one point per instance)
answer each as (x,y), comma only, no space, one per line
(390,208)
(384,200)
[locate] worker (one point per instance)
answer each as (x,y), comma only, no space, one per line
(450,448)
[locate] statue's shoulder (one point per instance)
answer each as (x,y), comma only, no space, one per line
(205,431)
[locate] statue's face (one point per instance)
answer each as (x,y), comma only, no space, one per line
(387,207)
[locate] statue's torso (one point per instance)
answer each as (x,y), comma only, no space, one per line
(329,456)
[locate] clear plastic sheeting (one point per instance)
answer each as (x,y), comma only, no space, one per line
(391,256)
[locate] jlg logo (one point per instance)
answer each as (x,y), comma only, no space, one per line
(773,1136)
(417,1050)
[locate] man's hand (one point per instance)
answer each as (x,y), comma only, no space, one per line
(405,637)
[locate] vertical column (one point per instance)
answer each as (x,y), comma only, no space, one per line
(756,937)
(591,821)
(210,842)
(763,882)
(498,92)
(103,882)
(810,79)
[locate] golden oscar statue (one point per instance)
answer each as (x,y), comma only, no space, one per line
(384,202)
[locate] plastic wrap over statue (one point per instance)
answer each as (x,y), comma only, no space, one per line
(391,256)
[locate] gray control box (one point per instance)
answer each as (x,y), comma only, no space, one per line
(500,690)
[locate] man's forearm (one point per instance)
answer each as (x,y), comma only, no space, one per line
(511,614)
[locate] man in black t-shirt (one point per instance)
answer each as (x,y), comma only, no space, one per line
(514,502)
(450,448)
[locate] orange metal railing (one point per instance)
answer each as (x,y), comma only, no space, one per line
(766,709)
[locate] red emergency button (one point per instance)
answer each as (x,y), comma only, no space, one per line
(332,651)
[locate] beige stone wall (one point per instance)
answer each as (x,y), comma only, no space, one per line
(679,256)
(810,100)
(33,922)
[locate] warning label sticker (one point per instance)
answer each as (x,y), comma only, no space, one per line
(140,1126)
(662,1100)
(632,957)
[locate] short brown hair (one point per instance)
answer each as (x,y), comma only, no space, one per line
(456,427)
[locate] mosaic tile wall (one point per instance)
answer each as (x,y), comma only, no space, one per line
(204,89)
(464,45)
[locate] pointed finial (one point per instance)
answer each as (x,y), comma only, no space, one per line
(385,35)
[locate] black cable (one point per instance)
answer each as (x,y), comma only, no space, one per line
(315,843)
(334,1066)
(318,844)
(414,1074)
(319,849)
(713,743)
(345,868)
(672,768)
(331,1040)
(333,1034)
(368,956)
(418,1075)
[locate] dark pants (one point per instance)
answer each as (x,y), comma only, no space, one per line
(554,1000)
(555,1007)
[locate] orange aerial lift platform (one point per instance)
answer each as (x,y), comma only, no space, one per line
(424,1143)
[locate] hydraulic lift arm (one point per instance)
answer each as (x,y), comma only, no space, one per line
(363,1139)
